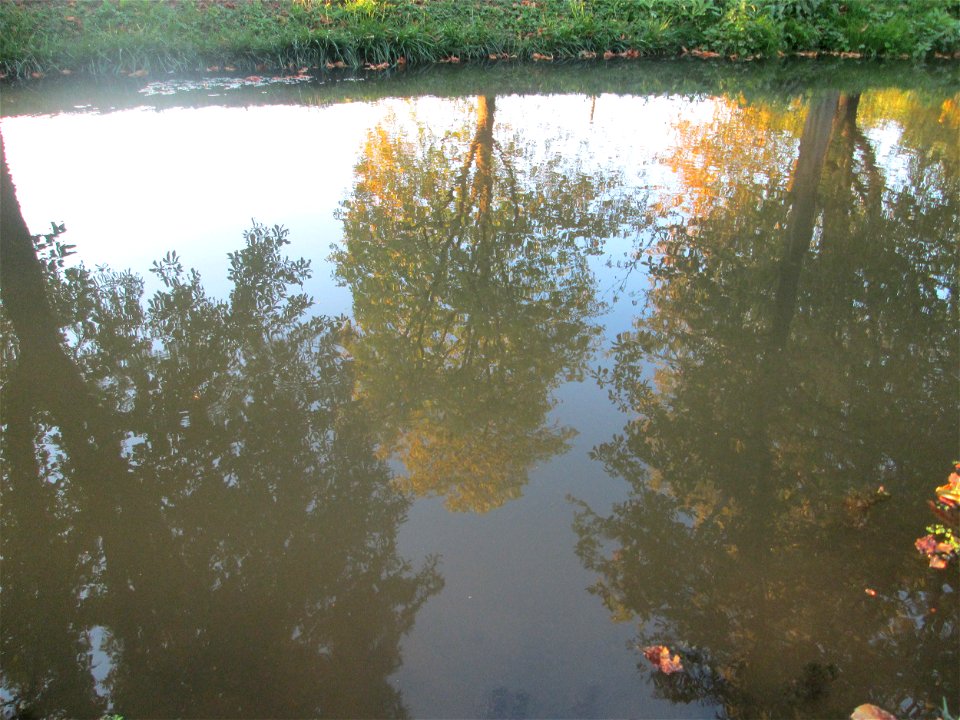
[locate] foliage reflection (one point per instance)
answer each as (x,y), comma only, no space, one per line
(798,350)
(473,297)
(202,529)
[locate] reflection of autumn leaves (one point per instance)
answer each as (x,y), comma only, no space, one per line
(477,468)
(733,544)
(940,545)
(467,259)
(717,161)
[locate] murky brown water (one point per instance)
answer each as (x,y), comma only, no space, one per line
(598,359)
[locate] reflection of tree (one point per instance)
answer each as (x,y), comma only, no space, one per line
(472,296)
(792,378)
(221,532)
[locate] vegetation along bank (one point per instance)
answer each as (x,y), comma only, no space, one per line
(147,37)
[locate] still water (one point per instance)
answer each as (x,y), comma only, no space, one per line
(445,395)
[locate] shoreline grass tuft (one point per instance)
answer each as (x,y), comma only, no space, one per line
(103,37)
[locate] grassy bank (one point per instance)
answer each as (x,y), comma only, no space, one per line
(43,37)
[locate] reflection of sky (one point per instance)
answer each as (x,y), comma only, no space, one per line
(896,165)
(132,185)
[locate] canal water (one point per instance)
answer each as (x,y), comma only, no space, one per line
(464,393)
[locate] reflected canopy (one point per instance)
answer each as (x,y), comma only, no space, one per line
(798,350)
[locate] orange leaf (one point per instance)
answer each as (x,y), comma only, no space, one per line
(871,712)
(659,655)
(950,493)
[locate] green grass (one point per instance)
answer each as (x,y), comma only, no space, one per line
(158,36)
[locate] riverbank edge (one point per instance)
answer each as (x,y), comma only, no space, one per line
(152,37)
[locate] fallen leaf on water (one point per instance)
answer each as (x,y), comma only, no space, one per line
(704,54)
(139,73)
(870,712)
(950,493)
(870,591)
(659,655)
(452,59)
(587,55)
(537,57)
(927,544)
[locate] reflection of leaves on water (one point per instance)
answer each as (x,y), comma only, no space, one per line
(473,298)
(773,385)
(242,524)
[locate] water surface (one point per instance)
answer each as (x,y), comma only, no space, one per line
(597,358)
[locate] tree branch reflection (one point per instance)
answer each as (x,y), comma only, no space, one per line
(798,350)
(473,298)
(201,528)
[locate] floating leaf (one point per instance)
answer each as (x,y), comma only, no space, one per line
(950,493)
(927,544)
(659,655)
(870,712)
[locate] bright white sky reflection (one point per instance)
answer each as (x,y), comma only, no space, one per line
(131,185)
